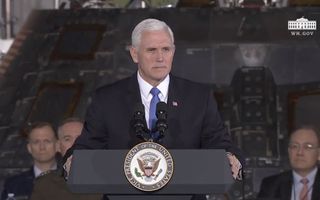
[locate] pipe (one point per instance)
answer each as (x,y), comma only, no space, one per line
(56,4)
(7,20)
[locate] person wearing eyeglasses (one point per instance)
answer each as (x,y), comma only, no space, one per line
(302,182)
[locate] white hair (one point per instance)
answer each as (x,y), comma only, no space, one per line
(149,25)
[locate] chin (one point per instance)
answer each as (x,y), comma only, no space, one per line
(160,76)
(301,167)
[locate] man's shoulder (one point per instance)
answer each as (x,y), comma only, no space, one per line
(21,176)
(115,86)
(283,176)
(182,82)
(118,83)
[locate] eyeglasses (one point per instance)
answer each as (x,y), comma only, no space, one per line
(304,146)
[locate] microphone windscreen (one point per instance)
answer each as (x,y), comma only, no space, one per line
(161,107)
(139,109)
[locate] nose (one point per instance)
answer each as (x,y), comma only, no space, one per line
(159,56)
(300,150)
(42,145)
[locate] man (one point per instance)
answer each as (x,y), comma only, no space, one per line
(52,185)
(193,119)
(303,181)
(42,147)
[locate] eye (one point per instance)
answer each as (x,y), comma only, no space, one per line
(34,142)
(67,139)
(309,146)
(47,141)
(294,146)
(167,49)
(151,50)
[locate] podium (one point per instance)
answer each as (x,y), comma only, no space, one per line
(200,171)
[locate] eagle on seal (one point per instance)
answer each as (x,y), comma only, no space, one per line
(149,166)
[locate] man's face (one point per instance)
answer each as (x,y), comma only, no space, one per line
(68,133)
(42,144)
(154,56)
(303,151)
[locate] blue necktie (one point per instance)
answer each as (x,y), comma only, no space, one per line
(153,105)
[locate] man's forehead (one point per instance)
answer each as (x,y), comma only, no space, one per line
(45,130)
(304,134)
(70,133)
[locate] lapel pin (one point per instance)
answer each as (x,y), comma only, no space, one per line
(174,103)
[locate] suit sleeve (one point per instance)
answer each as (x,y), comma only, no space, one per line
(214,133)
(265,187)
(4,193)
(94,133)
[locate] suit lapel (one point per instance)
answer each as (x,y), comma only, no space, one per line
(173,100)
(288,190)
(286,186)
(174,105)
(316,186)
(132,98)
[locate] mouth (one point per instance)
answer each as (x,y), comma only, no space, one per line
(159,67)
(300,160)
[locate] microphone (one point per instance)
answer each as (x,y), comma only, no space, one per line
(139,121)
(162,114)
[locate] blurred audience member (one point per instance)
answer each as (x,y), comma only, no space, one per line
(303,181)
(42,145)
(51,185)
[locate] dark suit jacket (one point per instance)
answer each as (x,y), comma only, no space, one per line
(21,185)
(193,118)
(280,186)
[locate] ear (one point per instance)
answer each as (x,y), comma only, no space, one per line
(134,54)
(29,148)
(288,150)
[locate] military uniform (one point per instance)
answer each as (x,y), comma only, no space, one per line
(20,185)
(52,186)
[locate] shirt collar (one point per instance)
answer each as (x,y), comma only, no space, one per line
(311,176)
(38,172)
(145,87)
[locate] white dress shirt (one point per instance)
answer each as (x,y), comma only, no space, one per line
(297,185)
(146,96)
(38,172)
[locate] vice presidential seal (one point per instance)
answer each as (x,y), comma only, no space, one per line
(148,166)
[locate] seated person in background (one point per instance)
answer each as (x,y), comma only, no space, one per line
(42,143)
(51,185)
(303,181)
